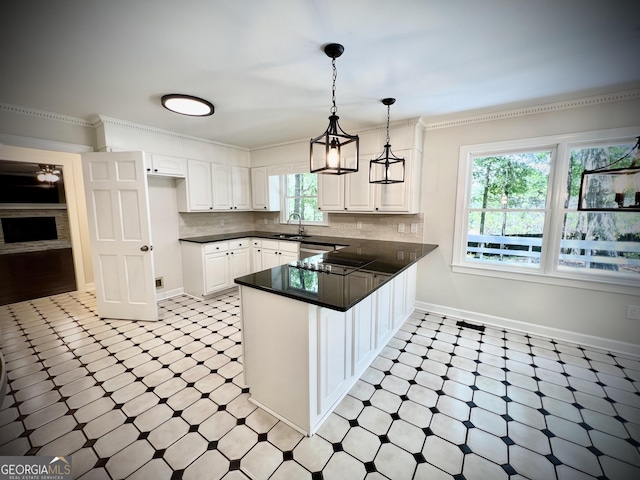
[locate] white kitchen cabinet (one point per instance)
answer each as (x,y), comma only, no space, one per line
(211,267)
(327,351)
(331,192)
(166,165)
(358,192)
(216,272)
(231,187)
(402,197)
(194,193)
(275,253)
(353,193)
(239,259)
(265,190)
(256,255)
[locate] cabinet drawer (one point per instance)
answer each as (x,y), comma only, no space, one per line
(289,247)
(270,244)
(236,244)
(215,247)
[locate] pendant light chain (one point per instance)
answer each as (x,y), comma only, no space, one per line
(334,108)
(388,119)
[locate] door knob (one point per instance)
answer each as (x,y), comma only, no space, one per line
(144,248)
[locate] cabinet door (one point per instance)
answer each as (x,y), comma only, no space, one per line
(240,263)
(256,260)
(384,323)
(167,165)
(240,188)
(265,190)
(363,333)
(199,185)
(331,193)
(270,258)
(216,272)
(288,257)
(396,197)
(334,355)
(358,192)
(221,181)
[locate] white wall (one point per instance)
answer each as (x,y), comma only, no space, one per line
(167,258)
(586,312)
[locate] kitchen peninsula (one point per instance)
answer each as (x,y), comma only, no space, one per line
(311,328)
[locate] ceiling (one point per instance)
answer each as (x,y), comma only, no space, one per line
(261,63)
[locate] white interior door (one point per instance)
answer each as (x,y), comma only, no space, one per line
(120,231)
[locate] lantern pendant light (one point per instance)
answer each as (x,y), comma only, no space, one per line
(612,188)
(387,168)
(335,151)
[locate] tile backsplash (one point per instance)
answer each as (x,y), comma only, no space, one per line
(373,226)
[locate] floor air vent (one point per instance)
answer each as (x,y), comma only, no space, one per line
(462,323)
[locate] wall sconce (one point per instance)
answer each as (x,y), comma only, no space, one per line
(335,151)
(606,189)
(387,168)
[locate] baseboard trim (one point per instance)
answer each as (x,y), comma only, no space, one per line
(169,293)
(550,332)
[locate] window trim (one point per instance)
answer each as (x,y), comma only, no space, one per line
(283,201)
(549,271)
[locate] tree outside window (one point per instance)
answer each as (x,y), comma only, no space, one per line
(301,197)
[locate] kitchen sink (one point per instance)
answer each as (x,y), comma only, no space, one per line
(290,236)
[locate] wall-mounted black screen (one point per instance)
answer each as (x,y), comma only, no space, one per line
(29,229)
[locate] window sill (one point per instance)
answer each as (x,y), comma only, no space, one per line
(622,286)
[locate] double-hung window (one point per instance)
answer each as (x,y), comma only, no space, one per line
(300,196)
(517,214)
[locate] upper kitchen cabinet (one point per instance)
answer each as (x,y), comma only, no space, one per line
(231,187)
(346,193)
(353,192)
(194,193)
(265,190)
(166,165)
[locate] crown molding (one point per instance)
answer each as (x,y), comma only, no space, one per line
(536,109)
(102,120)
(33,112)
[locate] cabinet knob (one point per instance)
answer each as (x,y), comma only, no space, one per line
(265,207)
(345,208)
(210,208)
(155,169)
(231,253)
(148,169)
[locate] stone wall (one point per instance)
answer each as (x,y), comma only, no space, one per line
(62,228)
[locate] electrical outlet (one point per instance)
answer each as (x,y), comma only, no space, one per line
(633,312)
(414,228)
(401,228)
(222,222)
(159,282)
(266,221)
(359,225)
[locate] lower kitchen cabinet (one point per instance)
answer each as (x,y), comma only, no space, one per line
(211,267)
(325,350)
(275,253)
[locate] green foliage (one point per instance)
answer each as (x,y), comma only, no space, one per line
(521,179)
(302,196)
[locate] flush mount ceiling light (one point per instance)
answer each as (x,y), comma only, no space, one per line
(387,168)
(187,105)
(609,189)
(335,151)
(48,173)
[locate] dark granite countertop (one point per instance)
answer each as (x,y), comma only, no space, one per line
(357,271)
(312,239)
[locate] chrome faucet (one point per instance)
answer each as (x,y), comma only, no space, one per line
(300,227)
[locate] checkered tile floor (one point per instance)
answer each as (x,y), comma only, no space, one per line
(165,400)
